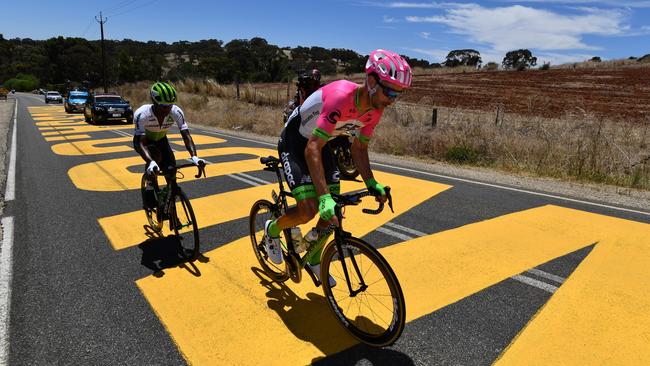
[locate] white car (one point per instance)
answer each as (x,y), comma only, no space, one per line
(53,96)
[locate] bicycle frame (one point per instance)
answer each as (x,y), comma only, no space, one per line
(172,187)
(340,235)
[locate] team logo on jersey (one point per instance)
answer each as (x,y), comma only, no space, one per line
(333,116)
(348,127)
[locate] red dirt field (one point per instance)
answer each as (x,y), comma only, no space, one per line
(617,93)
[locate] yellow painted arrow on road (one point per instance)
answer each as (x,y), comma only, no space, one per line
(231,315)
(230,310)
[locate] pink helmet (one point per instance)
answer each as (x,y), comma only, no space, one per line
(390,67)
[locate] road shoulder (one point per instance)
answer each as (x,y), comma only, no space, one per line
(6,114)
(605,194)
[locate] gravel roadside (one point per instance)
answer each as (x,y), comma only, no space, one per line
(606,194)
(6,114)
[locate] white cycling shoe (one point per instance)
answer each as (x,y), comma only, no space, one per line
(272,245)
(316,270)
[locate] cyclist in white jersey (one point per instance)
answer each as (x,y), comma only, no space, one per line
(152,121)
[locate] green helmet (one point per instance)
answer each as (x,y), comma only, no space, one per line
(163,93)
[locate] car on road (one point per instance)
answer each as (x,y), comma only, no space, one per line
(53,97)
(75,101)
(107,107)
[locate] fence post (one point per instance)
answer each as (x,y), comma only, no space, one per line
(499,116)
(237,85)
(434,118)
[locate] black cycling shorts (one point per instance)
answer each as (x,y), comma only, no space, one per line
(291,149)
(162,153)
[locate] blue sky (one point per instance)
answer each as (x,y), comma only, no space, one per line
(558,31)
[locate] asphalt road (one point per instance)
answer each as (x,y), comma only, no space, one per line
(489,274)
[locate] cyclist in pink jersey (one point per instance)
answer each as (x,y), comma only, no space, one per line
(308,164)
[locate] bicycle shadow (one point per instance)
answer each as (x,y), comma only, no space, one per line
(160,252)
(311,320)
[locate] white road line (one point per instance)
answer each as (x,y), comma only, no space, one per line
(535,283)
(548,276)
(256,179)
(394,233)
(6,267)
(471,181)
(255,184)
(406,229)
(10,188)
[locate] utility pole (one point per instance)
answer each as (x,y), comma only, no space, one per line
(101,22)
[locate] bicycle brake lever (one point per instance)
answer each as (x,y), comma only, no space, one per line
(201,170)
(390,199)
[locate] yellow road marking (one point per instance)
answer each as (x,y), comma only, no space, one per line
(126,230)
(219,317)
(67,138)
(96,146)
(229,315)
(601,315)
(114,174)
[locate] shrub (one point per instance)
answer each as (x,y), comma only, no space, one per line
(462,155)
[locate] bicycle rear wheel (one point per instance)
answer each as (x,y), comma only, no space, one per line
(183,223)
(375,311)
(152,213)
(261,211)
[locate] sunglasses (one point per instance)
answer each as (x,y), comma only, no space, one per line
(390,93)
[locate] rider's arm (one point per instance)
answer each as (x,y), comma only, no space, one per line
(141,148)
(139,139)
(179,117)
(189,143)
(315,163)
(359,152)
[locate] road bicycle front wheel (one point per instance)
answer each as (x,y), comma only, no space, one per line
(183,223)
(261,211)
(373,311)
(153,218)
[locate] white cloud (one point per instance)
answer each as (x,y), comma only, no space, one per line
(388,19)
(514,27)
(436,54)
(613,3)
(425,35)
(410,5)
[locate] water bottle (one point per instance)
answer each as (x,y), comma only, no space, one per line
(296,237)
(310,238)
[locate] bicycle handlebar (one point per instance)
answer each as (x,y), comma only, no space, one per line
(200,166)
(355,198)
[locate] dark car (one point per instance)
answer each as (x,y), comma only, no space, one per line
(107,107)
(75,101)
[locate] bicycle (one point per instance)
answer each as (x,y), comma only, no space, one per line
(172,204)
(358,266)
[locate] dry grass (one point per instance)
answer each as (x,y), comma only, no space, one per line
(580,147)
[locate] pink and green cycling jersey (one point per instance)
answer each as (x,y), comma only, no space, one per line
(334,110)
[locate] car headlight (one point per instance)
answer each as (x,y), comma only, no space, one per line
(99,109)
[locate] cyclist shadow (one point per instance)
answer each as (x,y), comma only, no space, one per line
(311,320)
(160,252)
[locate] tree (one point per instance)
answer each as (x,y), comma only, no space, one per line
(491,66)
(519,60)
(466,57)
(595,59)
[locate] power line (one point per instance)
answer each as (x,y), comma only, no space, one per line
(119,5)
(131,9)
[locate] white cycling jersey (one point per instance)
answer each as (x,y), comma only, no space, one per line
(146,122)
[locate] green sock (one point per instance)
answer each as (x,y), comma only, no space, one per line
(274,230)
